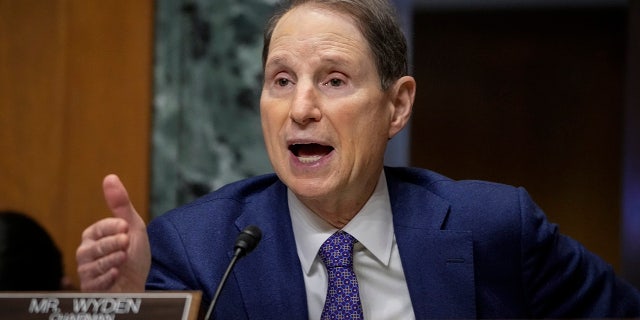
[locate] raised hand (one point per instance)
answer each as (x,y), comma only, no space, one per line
(114,255)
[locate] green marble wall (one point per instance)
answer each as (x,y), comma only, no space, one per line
(207,81)
(206,126)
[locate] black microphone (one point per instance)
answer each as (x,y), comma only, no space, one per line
(246,241)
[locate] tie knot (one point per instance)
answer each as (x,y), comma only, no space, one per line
(337,251)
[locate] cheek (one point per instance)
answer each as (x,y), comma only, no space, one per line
(266,122)
(364,132)
(267,114)
(370,119)
(371,131)
(272,122)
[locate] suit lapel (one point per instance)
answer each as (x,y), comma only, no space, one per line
(438,263)
(270,278)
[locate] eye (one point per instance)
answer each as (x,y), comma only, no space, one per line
(283,82)
(335,82)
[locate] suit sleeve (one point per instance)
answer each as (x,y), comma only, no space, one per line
(170,266)
(562,279)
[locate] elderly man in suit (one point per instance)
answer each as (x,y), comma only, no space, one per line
(417,244)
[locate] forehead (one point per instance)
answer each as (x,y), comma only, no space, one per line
(316,28)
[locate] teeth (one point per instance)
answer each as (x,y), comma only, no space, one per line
(309,159)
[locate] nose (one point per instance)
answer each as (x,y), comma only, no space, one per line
(304,105)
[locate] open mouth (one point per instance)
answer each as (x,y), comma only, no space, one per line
(310,152)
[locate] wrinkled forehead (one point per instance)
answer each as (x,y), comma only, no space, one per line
(319,24)
(302,16)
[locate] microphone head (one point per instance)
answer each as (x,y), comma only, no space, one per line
(248,239)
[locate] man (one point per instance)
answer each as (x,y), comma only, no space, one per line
(335,91)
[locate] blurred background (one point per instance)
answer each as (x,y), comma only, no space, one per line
(536,93)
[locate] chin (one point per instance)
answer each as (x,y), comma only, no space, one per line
(307,188)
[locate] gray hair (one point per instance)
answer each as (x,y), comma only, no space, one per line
(376,19)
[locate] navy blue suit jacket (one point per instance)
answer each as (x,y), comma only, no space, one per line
(469,249)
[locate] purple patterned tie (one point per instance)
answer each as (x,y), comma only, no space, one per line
(343,295)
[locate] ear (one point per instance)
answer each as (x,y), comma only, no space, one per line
(403,94)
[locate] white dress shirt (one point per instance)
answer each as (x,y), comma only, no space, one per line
(383,287)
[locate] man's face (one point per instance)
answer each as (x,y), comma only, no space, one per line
(325,118)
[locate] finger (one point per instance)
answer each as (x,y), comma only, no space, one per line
(102,283)
(104,228)
(91,270)
(93,250)
(117,198)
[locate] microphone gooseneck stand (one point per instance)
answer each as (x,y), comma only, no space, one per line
(246,241)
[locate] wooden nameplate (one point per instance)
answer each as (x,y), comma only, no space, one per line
(160,305)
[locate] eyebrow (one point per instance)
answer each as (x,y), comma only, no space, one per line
(336,60)
(276,61)
(282,60)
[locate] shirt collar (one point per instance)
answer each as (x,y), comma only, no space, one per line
(372,226)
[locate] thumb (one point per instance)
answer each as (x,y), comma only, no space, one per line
(117,198)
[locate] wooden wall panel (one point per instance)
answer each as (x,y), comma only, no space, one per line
(530,98)
(75,104)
